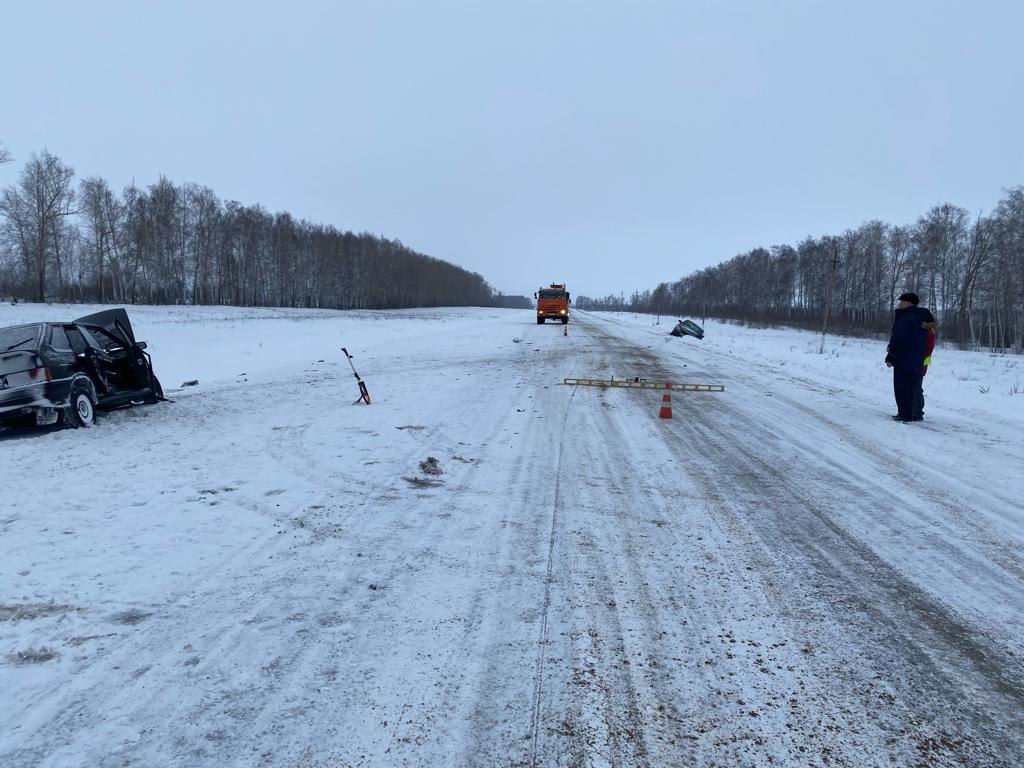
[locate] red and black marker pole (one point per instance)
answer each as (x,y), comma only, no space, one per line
(364,395)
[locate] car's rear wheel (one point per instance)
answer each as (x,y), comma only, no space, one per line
(81,410)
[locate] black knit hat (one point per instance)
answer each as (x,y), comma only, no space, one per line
(911,297)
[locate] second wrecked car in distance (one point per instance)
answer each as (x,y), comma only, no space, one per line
(687,328)
(66,371)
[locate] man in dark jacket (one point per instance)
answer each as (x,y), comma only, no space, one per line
(906,353)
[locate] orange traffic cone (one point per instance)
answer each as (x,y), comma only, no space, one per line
(666,403)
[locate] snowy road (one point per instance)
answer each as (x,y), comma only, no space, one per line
(262,575)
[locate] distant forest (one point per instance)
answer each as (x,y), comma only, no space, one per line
(62,240)
(967,269)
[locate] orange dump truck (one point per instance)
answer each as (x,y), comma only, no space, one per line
(552,302)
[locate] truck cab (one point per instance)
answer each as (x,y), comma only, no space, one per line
(552,302)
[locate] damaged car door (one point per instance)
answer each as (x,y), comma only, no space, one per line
(120,363)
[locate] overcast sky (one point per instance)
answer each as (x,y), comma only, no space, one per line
(609,145)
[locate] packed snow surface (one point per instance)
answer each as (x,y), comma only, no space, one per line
(487,567)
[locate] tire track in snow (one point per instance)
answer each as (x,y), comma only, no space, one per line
(405,737)
(607,592)
(728,465)
(909,630)
(600,708)
(923,490)
(672,619)
(914,642)
(258,698)
(538,685)
(112,673)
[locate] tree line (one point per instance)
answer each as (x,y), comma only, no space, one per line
(63,239)
(969,270)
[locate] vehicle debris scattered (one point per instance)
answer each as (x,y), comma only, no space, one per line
(430,466)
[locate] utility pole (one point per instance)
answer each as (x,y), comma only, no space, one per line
(828,295)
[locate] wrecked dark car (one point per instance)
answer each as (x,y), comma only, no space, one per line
(52,372)
(687,328)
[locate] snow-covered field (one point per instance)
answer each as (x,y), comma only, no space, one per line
(263,574)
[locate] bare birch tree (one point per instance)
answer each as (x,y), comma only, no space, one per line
(34,209)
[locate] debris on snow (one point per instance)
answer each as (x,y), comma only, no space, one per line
(131,616)
(33,655)
(78,640)
(190,383)
(28,611)
(430,466)
(423,482)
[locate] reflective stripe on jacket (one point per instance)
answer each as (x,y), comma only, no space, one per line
(929,347)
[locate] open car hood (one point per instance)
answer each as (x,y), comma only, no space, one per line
(113,321)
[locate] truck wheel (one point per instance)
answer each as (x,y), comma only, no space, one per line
(81,411)
(565,320)
(540,321)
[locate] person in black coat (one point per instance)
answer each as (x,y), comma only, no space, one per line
(906,353)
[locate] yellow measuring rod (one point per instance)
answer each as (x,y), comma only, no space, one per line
(643,384)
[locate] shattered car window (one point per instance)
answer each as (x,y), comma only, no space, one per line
(105,340)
